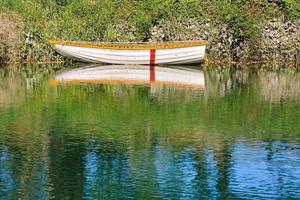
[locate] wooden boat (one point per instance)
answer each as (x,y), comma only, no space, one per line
(186,77)
(187,52)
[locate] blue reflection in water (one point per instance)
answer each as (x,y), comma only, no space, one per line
(7,183)
(34,184)
(91,178)
(265,170)
(192,173)
(106,174)
(175,172)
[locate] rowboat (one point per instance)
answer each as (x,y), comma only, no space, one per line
(187,52)
(182,77)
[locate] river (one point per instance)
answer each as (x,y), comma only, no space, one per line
(115,132)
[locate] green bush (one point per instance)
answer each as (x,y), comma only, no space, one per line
(291,8)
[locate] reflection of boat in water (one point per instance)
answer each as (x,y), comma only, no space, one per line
(180,52)
(132,74)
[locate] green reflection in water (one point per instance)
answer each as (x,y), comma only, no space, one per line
(237,138)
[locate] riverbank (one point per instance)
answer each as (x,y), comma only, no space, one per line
(239,32)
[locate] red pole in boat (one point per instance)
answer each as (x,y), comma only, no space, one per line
(152,65)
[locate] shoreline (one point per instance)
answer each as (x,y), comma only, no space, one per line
(269,65)
(69,61)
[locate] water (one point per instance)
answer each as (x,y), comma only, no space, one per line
(149,133)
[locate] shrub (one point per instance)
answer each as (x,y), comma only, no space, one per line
(10,38)
(291,8)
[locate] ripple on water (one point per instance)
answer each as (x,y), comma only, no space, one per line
(233,138)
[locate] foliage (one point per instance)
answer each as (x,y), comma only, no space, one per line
(133,20)
(292,8)
(9,37)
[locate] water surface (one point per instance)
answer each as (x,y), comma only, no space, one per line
(229,134)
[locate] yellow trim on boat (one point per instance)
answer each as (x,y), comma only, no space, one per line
(130,45)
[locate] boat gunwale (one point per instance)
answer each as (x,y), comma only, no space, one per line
(130,45)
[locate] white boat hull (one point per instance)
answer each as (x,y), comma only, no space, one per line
(186,55)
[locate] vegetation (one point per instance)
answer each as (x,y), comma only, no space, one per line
(233,27)
(9,36)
